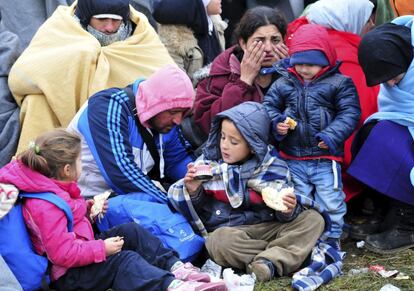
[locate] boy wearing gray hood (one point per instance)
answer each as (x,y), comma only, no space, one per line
(228,209)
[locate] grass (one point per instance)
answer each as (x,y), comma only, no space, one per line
(355,259)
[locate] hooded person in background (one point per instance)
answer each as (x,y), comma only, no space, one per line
(108,22)
(80,50)
(192,31)
(384,146)
(15,34)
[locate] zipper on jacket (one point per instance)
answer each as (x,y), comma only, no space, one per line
(302,111)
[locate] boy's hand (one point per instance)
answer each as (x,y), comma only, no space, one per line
(252,62)
(190,183)
(282,128)
(290,202)
(323,145)
(113,245)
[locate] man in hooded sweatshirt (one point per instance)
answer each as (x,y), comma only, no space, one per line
(123,154)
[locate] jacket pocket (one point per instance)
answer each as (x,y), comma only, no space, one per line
(326,117)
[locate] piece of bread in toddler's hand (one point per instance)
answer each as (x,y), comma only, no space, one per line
(98,204)
(291,122)
(274,198)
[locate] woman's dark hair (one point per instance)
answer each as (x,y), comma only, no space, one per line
(257,17)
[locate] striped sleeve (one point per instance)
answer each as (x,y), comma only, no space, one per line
(109,118)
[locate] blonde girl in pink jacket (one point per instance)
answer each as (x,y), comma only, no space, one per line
(126,257)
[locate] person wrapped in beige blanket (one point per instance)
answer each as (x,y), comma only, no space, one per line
(70,59)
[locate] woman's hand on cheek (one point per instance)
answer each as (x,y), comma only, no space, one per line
(281,51)
(252,62)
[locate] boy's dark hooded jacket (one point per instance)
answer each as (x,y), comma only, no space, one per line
(325,109)
(238,200)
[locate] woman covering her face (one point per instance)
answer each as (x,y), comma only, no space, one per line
(237,74)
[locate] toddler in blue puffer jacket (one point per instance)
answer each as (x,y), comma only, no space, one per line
(314,109)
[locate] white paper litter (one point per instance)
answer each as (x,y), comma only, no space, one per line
(235,282)
(389,287)
(360,244)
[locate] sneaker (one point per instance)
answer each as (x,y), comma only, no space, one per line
(263,269)
(187,272)
(211,268)
(178,285)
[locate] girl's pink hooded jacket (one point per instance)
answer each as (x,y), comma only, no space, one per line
(48,224)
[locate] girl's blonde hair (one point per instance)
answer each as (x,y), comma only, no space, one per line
(51,151)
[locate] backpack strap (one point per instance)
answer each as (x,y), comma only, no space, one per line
(154,174)
(56,200)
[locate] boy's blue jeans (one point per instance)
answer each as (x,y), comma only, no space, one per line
(320,179)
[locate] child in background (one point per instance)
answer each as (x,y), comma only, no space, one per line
(243,232)
(324,107)
(126,257)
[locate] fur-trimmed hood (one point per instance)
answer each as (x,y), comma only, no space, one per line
(180,38)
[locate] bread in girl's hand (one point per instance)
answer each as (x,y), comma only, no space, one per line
(274,198)
(98,204)
(292,123)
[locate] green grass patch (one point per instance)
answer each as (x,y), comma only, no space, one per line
(356,259)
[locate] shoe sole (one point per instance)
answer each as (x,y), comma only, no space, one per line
(387,252)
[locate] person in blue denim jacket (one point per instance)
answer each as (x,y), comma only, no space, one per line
(314,109)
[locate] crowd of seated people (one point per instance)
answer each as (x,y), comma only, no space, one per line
(253,95)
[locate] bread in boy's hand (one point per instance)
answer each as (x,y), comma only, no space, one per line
(274,198)
(291,122)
